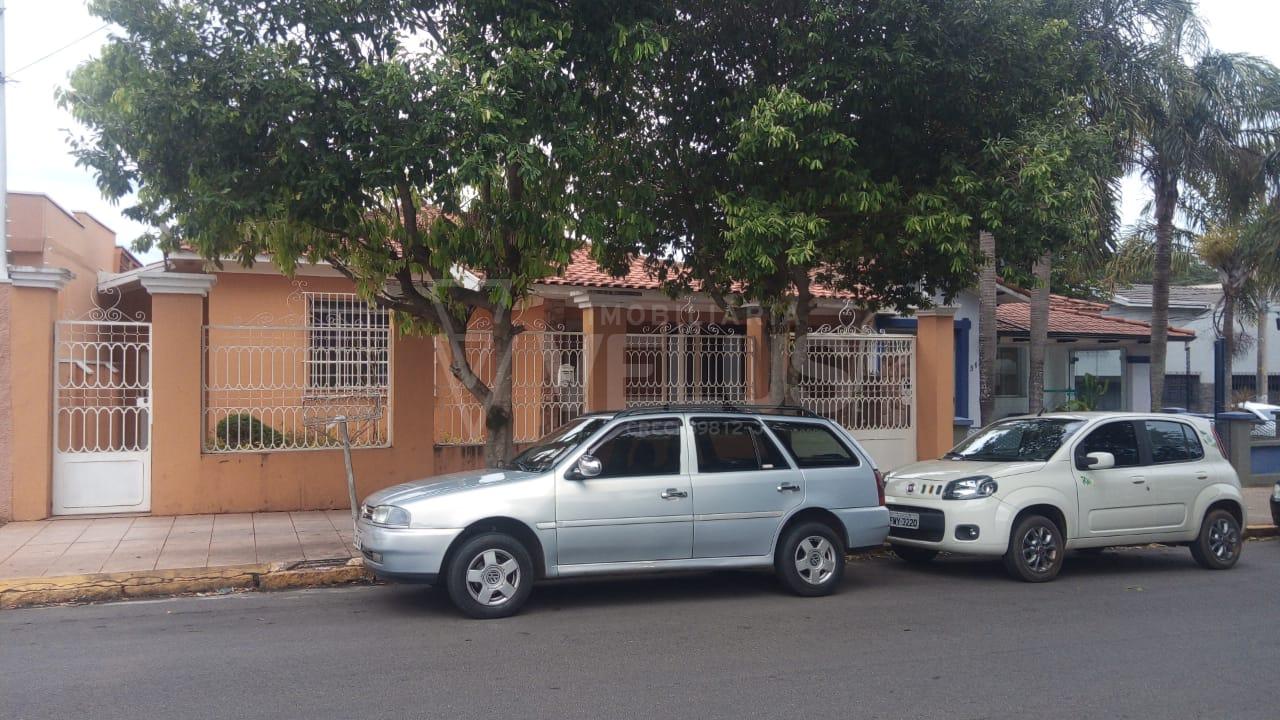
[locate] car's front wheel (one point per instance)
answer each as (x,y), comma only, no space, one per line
(810,560)
(1220,541)
(1035,551)
(490,576)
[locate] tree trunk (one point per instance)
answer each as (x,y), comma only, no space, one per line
(499,446)
(987,327)
(1264,312)
(1039,333)
(799,364)
(778,331)
(1166,204)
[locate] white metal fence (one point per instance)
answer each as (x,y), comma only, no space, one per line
(686,368)
(269,387)
(546,392)
(102,387)
(866,382)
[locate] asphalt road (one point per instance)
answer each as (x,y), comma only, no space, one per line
(1129,634)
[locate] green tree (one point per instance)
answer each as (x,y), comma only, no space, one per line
(845,143)
(402,142)
(1198,115)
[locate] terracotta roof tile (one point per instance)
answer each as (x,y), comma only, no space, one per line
(1069,317)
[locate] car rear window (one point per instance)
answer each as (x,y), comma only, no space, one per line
(1173,442)
(733,445)
(813,445)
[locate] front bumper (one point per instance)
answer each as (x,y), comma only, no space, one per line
(940,518)
(408,554)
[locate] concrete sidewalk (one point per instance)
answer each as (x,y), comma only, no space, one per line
(84,546)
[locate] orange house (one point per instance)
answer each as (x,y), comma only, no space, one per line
(178,387)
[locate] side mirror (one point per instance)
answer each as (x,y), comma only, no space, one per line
(588,466)
(1099,461)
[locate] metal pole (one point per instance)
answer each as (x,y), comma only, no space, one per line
(4,161)
(1219,377)
(351,476)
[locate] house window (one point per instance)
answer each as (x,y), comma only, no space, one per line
(347,345)
(1011,372)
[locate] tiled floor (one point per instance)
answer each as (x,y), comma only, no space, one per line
(71,546)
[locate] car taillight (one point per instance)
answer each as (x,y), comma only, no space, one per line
(1218,439)
(880,485)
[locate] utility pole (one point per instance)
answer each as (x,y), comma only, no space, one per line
(4,161)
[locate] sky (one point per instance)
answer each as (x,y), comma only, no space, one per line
(39,159)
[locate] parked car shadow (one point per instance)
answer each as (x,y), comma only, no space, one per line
(1113,561)
(557,595)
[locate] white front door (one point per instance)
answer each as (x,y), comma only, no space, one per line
(102,417)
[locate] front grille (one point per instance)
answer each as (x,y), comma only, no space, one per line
(933,524)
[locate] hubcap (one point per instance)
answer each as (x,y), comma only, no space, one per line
(1038,549)
(815,560)
(493,577)
(1224,539)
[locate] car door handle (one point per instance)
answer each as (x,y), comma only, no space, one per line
(788,487)
(1139,480)
(1202,475)
(672,494)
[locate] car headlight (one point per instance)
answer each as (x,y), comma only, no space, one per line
(389,516)
(978,486)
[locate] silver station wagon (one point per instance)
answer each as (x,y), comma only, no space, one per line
(642,490)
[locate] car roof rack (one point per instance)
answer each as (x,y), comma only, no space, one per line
(792,410)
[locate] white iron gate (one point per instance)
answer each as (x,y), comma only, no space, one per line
(679,367)
(102,417)
(866,382)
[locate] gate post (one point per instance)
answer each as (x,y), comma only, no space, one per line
(33,312)
(758,374)
(935,382)
(604,338)
(177,386)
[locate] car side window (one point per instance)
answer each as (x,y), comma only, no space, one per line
(640,448)
(813,445)
(1172,442)
(733,445)
(1118,438)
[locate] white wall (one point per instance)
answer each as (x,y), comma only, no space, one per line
(1201,323)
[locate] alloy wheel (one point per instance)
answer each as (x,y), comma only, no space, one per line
(493,576)
(815,559)
(1038,549)
(1224,539)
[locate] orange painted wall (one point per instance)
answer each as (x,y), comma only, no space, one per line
(44,234)
(6,408)
(31,374)
(185,480)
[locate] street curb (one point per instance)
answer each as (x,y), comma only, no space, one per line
(1261,531)
(99,587)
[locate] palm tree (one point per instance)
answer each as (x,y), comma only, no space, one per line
(987,336)
(1198,114)
(1043,271)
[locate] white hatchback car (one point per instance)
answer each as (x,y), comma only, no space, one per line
(1030,488)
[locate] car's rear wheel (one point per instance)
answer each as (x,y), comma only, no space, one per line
(810,559)
(490,576)
(1035,550)
(1220,541)
(915,555)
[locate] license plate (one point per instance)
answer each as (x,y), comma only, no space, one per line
(356,541)
(905,520)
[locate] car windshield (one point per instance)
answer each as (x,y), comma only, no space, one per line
(551,448)
(1028,439)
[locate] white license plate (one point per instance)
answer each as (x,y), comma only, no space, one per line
(905,520)
(356,541)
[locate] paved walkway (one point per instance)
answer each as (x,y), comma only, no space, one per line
(76,546)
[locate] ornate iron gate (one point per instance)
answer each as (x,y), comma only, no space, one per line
(102,416)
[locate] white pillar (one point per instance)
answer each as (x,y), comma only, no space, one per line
(4,162)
